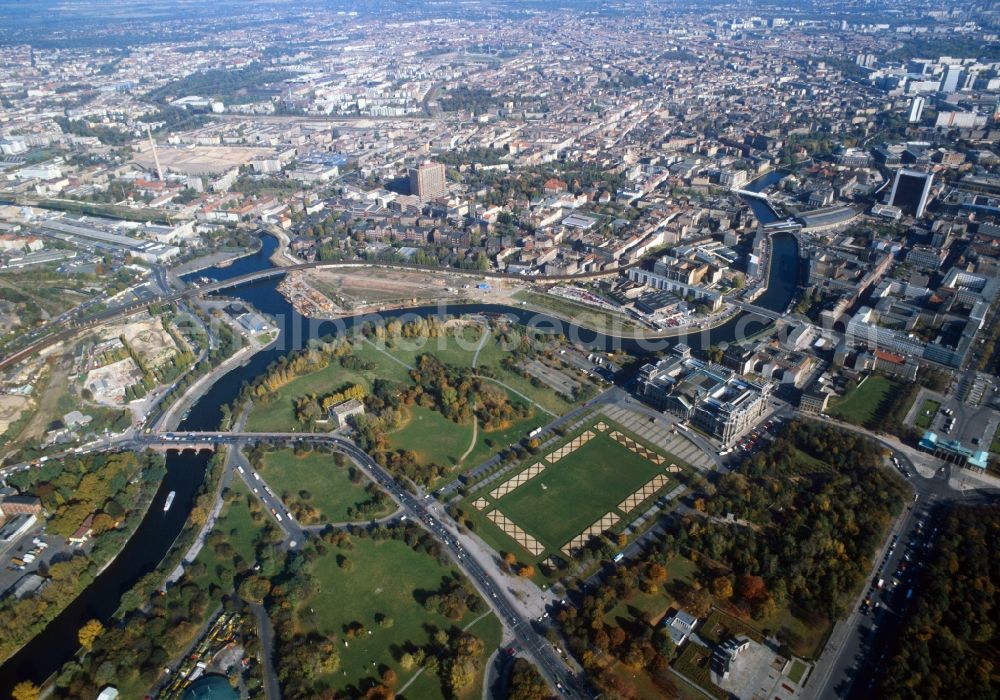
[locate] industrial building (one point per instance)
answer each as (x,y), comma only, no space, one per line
(84,233)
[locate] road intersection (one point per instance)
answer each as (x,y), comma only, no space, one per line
(516,615)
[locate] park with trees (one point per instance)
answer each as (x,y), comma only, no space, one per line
(948,646)
(780,547)
(116,489)
(318,485)
(365,611)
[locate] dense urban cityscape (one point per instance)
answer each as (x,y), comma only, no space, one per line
(503,350)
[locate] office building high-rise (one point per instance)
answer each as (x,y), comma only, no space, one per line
(910,191)
(427,181)
(916,109)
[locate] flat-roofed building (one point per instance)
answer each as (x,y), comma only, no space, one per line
(427,181)
(715,399)
(344,410)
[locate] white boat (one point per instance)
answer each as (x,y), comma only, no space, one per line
(169,502)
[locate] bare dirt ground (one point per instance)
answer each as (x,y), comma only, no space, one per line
(48,402)
(114,379)
(373,286)
(147,338)
(150,340)
(201,160)
(11,408)
(370,288)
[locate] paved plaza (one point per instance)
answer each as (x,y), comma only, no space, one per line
(661,436)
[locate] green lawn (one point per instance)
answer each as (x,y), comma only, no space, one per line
(804,638)
(796,672)
(332,490)
(995,445)
(720,626)
(694,663)
(458,350)
(806,464)
(279,413)
(239,530)
(859,405)
(438,440)
(928,410)
(638,606)
(577,490)
(570,495)
(434,438)
(389,579)
(488,442)
(593,316)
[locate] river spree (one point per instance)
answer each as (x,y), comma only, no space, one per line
(48,651)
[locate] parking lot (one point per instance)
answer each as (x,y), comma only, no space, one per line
(890,593)
(973,426)
(34,548)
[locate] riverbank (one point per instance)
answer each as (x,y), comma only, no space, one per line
(221,259)
(70,573)
(155,542)
(525,299)
(177,410)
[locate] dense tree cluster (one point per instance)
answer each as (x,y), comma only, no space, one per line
(815,521)
(105,134)
(475,100)
(229,341)
(807,516)
(232,86)
(105,485)
(289,367)
(458,394)
(151,628)
(454,599)
(310,408)
(499,188)
(526,683)
(599,644)
(949,645)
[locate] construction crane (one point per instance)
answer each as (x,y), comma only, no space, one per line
(156,158)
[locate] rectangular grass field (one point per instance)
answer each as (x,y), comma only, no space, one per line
(570,495)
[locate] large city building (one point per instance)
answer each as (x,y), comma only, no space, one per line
(713,398)
(910,191)
(427,181)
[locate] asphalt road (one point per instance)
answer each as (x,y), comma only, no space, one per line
(534,644)
(858,645)
(271,689)
(272,501)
